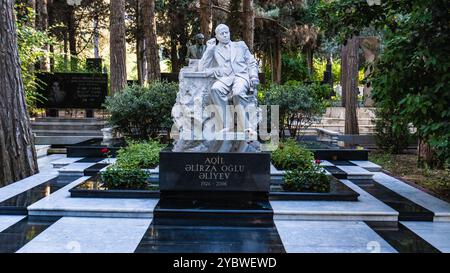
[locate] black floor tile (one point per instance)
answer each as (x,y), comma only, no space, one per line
(19,234)
(90,160)
(336,172)
(18,204)
(214,239)
(212,226)
(341,163)
(408,210)
(94,169)
(401,238)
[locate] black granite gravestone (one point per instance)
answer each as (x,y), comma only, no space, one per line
(94,64)
(208,175)
(72,90)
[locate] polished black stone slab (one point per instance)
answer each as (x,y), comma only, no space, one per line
(17,205)
(248,211)
(94,169)
(214,172)
(210,239)
(408,210)
(19,234)
(94,188)
(338,192)
(95,148)
(336,172)
(341,163)
(401,238)
(90,160)
(328,151)
(200,226)
(340,154)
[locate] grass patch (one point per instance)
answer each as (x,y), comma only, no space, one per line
(406,167)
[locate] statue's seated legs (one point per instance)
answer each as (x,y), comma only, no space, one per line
(220,96)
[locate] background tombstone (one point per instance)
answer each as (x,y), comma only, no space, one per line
(72,90)
(94,64)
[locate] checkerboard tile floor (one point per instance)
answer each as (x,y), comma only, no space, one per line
(423,226)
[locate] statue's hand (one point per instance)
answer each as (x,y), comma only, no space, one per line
(211,42)
(253,87)
(254,83)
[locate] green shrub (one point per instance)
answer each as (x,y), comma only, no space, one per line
(142,155)
(412,76)
(300,105)
(392,133)
(290,156)
(30,42)
(120,178)
(309,180)
(293,67)
(141,112)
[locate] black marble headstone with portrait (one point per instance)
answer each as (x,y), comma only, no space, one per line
(72,90)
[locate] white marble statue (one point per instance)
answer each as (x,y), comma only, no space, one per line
(236,73)
(222,83)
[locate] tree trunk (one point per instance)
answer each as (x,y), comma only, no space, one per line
(174,54)
(234,20)
(205,18)
(141,55)
(309,53)
(51,22)
(249,23)
(117,45)
(72,38)
(184,39)
(276,61)
(175,23)
(66,49)
(148,11)
(344,68)
(96,38)
(142,62)
(17,154)
(178,41)
(426,156)
(351,87)
(42,25)
(139,60)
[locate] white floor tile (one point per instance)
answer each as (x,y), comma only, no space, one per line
(89,235)
(330,237)
(435,233)
(8,220)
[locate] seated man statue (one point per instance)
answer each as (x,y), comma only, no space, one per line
(236,73)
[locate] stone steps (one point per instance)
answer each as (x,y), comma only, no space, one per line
(70,120)
(67,126)
(91,133)
(61,140)
(65,131)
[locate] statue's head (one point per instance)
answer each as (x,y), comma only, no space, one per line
(223,34)
(199,38)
